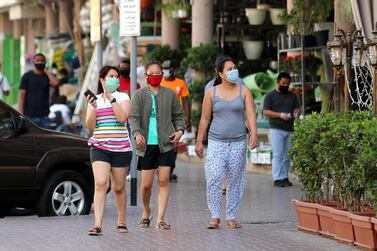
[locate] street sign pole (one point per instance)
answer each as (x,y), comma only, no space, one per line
(129,15)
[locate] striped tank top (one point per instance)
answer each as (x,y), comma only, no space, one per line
(110,134)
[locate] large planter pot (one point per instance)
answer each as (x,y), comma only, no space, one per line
(253,49)
(365,234)
(326,222)
(343,225)
(275,15)
(307,216)
(374,221)
(255,16)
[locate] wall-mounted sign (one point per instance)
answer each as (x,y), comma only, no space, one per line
(129,15)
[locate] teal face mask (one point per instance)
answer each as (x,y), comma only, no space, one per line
(112,84)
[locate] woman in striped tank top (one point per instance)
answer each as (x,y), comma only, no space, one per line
(111,149)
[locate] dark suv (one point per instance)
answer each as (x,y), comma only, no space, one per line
(42,169)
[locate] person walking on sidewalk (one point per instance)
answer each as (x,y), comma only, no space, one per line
(111,149)
(33,101)
(227,103)
(157,123)
(281,107)
(179,87)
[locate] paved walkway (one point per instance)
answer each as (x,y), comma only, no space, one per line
(267,216)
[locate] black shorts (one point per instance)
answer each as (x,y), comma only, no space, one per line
(153,158)
(115,159)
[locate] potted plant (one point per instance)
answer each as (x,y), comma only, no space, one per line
(276,16)
(175,10)
(302,17)
(322,10)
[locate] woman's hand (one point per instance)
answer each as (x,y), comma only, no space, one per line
(140,141)
(91,101)
(175,137)
(253,138)
(199,149)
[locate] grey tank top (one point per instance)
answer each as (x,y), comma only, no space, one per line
(228,119)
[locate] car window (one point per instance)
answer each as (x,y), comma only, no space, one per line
(6,123)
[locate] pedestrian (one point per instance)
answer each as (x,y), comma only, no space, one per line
(124,79)
(4,85)
(111,149)
(211,83)
(178,86)
(34,95)
(157,124)
(281,106)
(224,108)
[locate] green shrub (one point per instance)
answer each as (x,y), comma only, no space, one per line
(335,158)
(162,53)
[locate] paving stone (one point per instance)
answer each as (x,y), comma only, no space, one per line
(267,216)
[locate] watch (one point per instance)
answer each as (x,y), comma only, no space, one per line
(113,100)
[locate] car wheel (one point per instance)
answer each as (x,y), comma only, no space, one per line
(65,193)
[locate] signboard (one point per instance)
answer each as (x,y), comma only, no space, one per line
(129,15)
(95,21)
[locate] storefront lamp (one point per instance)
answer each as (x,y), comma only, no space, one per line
(337,49)
(358,48)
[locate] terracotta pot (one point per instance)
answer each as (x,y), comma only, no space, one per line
(365,234)
(307,216)
(343,225)
(374,221)
(326,222)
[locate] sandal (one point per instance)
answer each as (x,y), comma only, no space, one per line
(163,225)
(214,224)
(95,231)
(233,224)
(145,222)
(122,228)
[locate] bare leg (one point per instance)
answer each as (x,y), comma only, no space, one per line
(118,180)
(101,172)
(147,177)
(163,191)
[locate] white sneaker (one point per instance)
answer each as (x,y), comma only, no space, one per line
(128,177)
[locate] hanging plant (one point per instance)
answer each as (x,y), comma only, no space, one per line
(176,10)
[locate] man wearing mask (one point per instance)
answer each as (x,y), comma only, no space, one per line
(33,99)
(124,79)
(281,107)
(178,86)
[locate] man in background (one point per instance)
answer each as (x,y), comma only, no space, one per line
(124,79)
(4,85)
(34,91)
(178,86)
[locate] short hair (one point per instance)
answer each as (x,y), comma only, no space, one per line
(284,75)
(153,62)
(167,64)
(39,55)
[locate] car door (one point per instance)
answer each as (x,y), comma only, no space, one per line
(18,158)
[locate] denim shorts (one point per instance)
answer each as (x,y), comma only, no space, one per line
(115,159)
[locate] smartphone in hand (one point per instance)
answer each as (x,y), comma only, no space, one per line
(90,93)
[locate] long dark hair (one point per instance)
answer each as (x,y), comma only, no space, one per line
(219,64)
(102,74)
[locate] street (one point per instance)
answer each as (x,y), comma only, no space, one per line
(267,217)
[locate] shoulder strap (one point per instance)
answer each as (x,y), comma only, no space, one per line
(214,90)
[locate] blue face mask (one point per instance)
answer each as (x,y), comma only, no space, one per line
(232,76)
(112,84)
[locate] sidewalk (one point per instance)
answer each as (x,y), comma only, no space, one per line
(267,218)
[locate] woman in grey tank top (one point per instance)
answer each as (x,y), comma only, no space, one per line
(227,107)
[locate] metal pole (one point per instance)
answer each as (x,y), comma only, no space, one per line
(303,74)
(134,157)
(99,43)
(347,74)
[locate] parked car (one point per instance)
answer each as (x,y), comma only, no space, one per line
(45,170)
